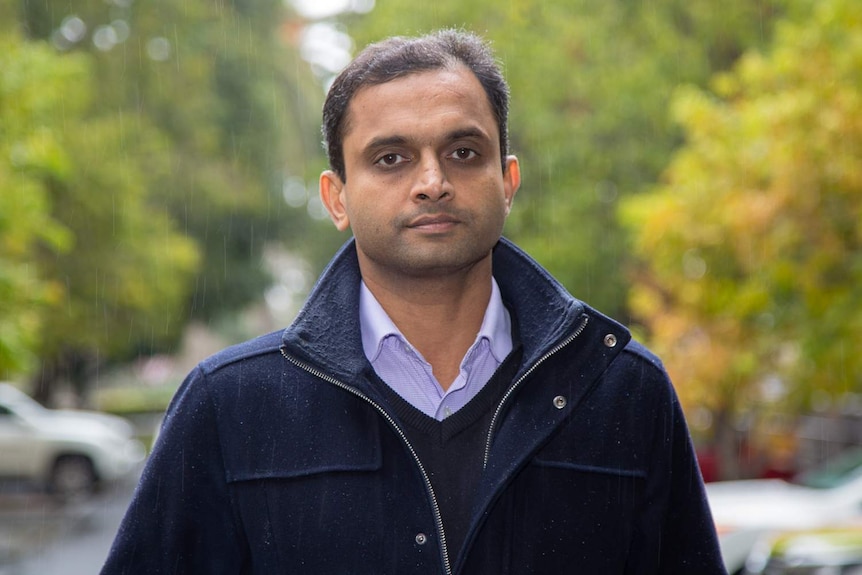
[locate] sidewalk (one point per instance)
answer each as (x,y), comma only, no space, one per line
(39,536)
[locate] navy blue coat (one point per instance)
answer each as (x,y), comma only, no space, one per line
(279,456)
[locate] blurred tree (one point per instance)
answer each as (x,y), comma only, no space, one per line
(32,82)
(129,274)
(79,240)
(752,249)
(591,81)
(191,117)
(237,109)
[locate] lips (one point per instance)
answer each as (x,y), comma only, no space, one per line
(430,221)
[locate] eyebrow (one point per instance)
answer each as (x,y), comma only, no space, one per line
(398,140)
(385,141)
(467,133)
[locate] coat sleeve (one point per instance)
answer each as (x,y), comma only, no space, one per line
(181,519)
(688,541)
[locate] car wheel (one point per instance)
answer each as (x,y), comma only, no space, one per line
(72,477)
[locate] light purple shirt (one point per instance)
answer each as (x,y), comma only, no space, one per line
(404,369)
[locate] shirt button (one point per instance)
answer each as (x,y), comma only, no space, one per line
(421,539)
(447,411)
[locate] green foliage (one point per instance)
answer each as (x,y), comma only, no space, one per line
(134,399)
(238,112)
(752,249)
(591,81)
(156,136)
(33,82)
(85,256)
(130,270)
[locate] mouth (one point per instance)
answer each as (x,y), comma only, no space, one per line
(435,222)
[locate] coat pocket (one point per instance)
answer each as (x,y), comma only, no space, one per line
(318,496)
(575,513)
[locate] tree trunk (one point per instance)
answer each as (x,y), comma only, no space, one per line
(727,446)
(70,367)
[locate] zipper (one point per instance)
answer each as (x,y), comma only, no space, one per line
(438,518)
(578,331)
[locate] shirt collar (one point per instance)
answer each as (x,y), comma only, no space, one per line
(376,325)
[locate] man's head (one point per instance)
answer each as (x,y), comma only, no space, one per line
(424,184)
(399,57)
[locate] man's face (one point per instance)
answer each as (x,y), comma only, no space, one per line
(425,193)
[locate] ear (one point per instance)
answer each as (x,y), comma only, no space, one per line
(511,181)
(332,195)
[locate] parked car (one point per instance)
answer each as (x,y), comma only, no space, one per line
(66,452)
(744,511)
(834,551)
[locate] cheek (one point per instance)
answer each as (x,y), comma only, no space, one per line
(503,207)
(495,198)
(368,217)
(360,211)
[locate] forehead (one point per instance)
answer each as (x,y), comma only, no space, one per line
(420,100)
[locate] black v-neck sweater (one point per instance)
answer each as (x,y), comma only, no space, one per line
(452,450)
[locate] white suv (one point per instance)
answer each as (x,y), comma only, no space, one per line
(66,452)
(746,511)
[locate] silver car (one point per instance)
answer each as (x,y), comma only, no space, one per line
(745,511)
(66,452)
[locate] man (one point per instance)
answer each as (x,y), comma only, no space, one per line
(440,404)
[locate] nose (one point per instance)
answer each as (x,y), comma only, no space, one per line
(431,183)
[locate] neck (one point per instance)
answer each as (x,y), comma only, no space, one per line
(439,316)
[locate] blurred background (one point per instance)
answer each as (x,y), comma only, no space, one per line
(690,168)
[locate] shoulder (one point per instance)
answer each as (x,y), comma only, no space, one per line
(244,354)
(633,355)
(637,373)
(230,374)
(233,383)
(638,352)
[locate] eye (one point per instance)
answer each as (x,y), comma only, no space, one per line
(391,159)
(464,154)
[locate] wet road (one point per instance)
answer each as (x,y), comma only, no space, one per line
(41,537)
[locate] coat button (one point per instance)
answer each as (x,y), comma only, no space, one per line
(421,539)
(610,340)
(559,402)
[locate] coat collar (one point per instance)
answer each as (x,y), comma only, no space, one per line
(326,331)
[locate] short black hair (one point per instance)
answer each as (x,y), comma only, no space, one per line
(401,56)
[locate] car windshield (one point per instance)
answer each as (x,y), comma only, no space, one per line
(19,402)
(834,473)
